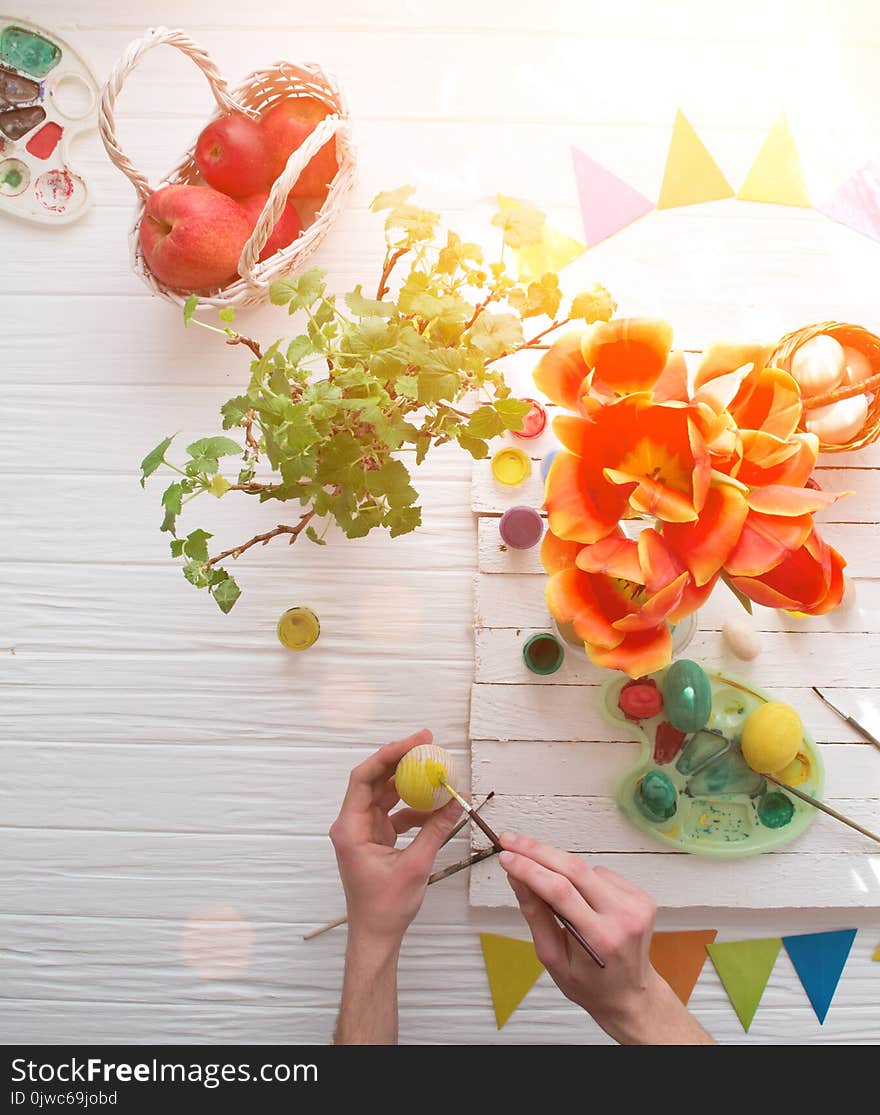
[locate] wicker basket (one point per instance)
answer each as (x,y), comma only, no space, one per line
(853,336)
(256,93)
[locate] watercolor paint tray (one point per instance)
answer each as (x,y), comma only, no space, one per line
(48,95)
(721,807)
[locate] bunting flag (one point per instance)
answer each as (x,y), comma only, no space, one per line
(876,955)
(608,204)
(856,203)
(776,175)
(744,968)
(691,175)
(818,959)
(554,251)
(512,967)
(679,958)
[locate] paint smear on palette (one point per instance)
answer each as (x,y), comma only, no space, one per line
(45,141)
(14,177)
(217,943)
(54,190)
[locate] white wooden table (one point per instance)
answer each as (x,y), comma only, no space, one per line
(168,774)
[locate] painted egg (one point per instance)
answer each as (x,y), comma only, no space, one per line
(858,366)
(687,696)
(742,639)
(418,776)
(838,422)
(640,700)
(818,365)
(771,737)
(655,796)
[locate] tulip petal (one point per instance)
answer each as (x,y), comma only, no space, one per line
(769,400)
(574,433)
(672,383)
(627,354)
(581,506)
(561,371)
(640,652)
(705,545)
(793,465)
(557,554)
(765,541)
(809,581)
(721,358)
(782,499)
(656,608)
(571,598)
(615,556)
(651,498)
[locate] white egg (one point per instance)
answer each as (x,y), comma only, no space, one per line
(742,638)
(838,422)
(818,365)
(858,366)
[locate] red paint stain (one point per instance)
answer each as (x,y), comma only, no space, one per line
(45,141)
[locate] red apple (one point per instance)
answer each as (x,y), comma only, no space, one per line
(232,155)
(285,231)
(192,236)
(285,126)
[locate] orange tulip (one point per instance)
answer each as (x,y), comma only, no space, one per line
(808,580)
(628,354)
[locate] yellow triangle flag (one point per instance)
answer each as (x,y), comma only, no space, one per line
(554,251)
(512,968)
(691,174)
(876,955)
(777,175)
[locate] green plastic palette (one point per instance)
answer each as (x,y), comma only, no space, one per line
(694,792)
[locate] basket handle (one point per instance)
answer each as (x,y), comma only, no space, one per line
(322,133)
(156,36)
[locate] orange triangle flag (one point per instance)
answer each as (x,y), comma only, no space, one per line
(512,967)
(691,174)
(679,958)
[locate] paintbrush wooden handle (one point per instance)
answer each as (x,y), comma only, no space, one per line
(822,807)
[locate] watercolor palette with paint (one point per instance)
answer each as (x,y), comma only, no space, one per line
(694,791)
(47,95)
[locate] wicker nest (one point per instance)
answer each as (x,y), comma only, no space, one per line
(251,97)
(852,336)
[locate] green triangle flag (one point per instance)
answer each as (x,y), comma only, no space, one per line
(512,967)
(691,174)
(744,968)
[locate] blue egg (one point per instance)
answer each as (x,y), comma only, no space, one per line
(547,462)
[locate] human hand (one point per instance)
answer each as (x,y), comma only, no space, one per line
(384,886)
(628,998)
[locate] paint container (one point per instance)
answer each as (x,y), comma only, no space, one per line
(534,421)
(521,527)
(543,653)
(570,637)
(547,462)
(511,466)
(298,628)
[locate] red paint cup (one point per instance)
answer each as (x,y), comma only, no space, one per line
(534,422)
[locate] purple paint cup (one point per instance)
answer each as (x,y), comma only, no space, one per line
(521,527)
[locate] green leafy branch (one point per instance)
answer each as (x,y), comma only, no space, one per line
(328,415)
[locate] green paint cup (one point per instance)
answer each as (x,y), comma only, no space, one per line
(543,653)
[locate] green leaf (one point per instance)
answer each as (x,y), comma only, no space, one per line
(494,335)
(227,314)
(593,305)
(402,520)
(196,573)
(512,412)
(741,596)
(226,593)
(172,498)
(484,423)
(366,520)
(196,545)
(206,453)
(312,536)
(177,545)
(298,348)
(390,199)
(367,307)
(155,458)
(219,486)
(298,291)
(435,386)
(418,224)
(477,449)
(521,224)
(189,308)
(234,411)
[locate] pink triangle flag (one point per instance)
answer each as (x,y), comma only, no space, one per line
(608,204)
(856,203)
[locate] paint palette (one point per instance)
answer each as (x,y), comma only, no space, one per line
(694,791)
(47,95)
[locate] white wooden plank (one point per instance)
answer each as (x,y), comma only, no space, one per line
(561,769)
(822,658)
(856,541)
(569,712)
(517,601)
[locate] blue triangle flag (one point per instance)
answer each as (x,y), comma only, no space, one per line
(818,959)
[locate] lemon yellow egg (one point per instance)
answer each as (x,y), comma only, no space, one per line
(420,774)
(771,738)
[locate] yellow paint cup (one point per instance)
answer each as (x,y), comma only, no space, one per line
(298,628)
(511,466)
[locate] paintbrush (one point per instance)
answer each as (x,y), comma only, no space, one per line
(851,720)
(496,845)
(443,873)
(823,807)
